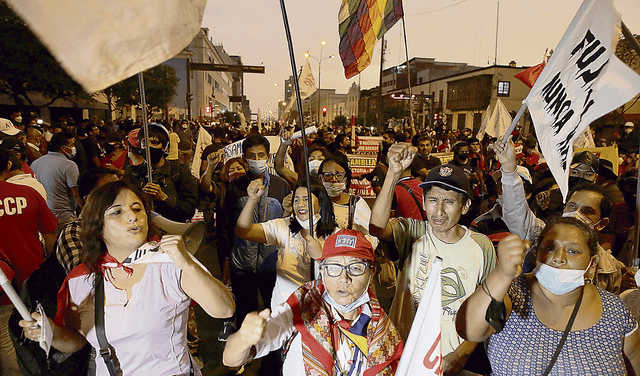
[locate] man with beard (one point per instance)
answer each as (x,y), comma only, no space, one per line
(173,189)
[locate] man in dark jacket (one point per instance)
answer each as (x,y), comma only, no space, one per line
(253,265)
(173,189)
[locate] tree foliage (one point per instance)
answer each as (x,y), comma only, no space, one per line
(27,67)
(340,121)
(160,83)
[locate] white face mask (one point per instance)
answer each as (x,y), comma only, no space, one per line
(334,189)
(559,281)
(305,223)
(314,165)
(257,166)
(581,217)
(18,119)
(364,298)
(72,153)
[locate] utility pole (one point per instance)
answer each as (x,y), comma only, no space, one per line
(382,48)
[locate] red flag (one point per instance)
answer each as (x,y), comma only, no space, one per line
(530,75)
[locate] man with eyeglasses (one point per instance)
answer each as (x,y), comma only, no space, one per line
(467,256)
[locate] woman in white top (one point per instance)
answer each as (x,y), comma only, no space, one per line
(290,234)
(335,175)
(146,298)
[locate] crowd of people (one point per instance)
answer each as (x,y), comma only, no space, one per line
(530,282)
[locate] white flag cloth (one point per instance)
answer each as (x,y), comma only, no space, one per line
(422,353)
(584,140)
(582,81)
(499,121)
(204,140)
(100,43)
(484,123)
(307,87)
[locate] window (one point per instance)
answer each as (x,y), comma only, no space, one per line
(209,78)
(504,88)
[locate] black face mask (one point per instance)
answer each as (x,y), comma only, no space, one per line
(463,156)
(574,181)
(156,155)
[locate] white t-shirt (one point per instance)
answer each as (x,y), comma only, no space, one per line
(29,181)
(148,332)
(465,264)
(294,263)
(360,218)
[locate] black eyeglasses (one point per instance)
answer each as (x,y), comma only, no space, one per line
(354,269)
(328,176)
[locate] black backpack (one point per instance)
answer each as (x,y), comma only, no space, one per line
(42,286)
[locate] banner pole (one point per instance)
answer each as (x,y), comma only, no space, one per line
(300,115)
(406,53)
(515,121)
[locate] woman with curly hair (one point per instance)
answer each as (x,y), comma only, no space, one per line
(147,290)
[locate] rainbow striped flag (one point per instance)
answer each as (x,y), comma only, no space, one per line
(362,23)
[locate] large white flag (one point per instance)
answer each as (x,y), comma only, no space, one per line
(204,140)
(422,353)
(499,121)
(100,43)
(484,123)
(307,87)
(582,81)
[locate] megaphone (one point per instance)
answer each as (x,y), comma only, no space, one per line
(192,233)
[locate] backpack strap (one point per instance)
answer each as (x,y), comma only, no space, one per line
(415,199)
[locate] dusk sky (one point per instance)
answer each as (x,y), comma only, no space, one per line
(457,31)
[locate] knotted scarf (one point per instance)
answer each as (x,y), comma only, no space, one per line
(314,321)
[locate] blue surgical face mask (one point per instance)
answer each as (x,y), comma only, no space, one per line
(559,281)
(364,298)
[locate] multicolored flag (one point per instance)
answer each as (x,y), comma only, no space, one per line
(582,81)
(531,74)
(101,43)
(422,355)
(362,23)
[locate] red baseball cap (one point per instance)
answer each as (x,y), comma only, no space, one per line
(347,243)
(133,138)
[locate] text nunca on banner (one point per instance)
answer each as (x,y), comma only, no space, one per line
(582,81)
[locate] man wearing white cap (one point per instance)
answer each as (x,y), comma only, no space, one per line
(7,129)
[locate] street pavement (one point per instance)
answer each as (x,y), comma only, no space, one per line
(210,351)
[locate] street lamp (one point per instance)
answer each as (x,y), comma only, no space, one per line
(319,71)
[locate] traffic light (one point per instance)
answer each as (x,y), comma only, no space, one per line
(189,97)
(324,111)
(435,116)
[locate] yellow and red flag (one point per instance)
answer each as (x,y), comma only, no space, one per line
(362,23)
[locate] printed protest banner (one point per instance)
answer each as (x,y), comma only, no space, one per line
(582,81)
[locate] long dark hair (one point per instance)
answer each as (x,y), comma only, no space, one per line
(327,223)
(340,161)
(92,221)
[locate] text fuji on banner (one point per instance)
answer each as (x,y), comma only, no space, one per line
(582,81)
